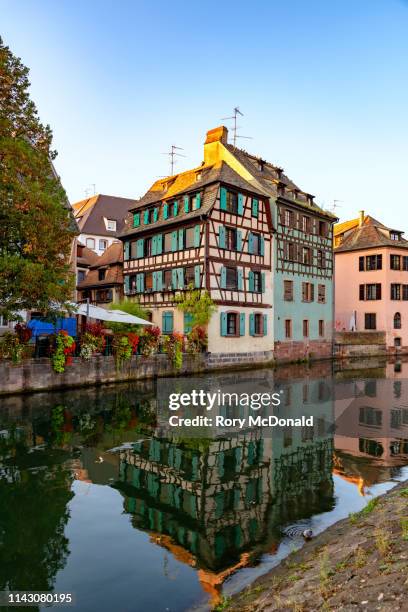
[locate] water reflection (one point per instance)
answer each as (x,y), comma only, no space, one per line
(221,507)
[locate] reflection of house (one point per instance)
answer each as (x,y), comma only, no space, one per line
(100,220)
(372,280)
(104,282)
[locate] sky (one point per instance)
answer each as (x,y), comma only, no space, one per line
(322,85)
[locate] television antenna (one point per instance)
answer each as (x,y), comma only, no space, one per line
(335,205)
(235,128)
(172,154)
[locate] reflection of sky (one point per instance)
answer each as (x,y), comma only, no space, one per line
(347,499)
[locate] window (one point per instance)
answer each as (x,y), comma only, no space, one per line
(288,218)
(288,328)
(231,238)
(405,292)
(306,256)
(90,243)
(81,276)
(305,328)
(189,238)
(307,292)
(321,328)
(361,264)
(397,320)
(147,247)
(321,294)
(289,251)
(371,291)
(256,244)
(167,242)
(306,224)
(394,236)
(167,322)
(232,202)
(258,324)
(103,244)
(288,291)
(189,276)
(370,416)
(257,282)
(167,280)
(231,278)
(321,259)
(3,321)
(405,263)
(148,280)
(111,225)
(323,228)
(373,262)
(232,324)
(370,320)
(395,291)
(101,274)
(397,342)
(395,262)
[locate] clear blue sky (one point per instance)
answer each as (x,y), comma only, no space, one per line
(323,86)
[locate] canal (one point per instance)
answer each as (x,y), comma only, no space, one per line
(99,498)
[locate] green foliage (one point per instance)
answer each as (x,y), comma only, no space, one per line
(34,265)
(197,303)
(131,307)
(174,349)
(11,347)
(122,350)
(64,347)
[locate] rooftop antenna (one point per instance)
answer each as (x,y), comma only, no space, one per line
(172,155)
(94,188)
(335,205)
(235,128)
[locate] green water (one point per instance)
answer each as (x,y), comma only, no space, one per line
(98,500)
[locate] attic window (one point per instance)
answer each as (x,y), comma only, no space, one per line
(198,176)
(101,274)
(261,164)
(394,236)
(111,225)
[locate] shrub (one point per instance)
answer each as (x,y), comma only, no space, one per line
(64,349)
(150,341)
(174,349)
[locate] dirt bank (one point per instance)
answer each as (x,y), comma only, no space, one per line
(360,563)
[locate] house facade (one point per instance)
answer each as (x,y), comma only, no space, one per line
(372,280)
(103,283)
(238,228)
(100,219)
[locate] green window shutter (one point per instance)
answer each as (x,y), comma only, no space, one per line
(180,278)
(155,215)
(223,198)
(252,324)
(159,280)
(126,283)
(188,322)
(146,217)
(174,240)
(221,237)
(181,240)
(262,246)
(174,278)
(136,219)
(167,322)
(255,207)
(197,235)
(154,281)
(137,283)
(126,251)
(250,243)
(239,240)
(251,281)
(197,276)
(242,324)
(154,245)
(263,282)
(140,248)
(223,281)
(186,204)
(223,323)
(175,208)
(240,279)
(265,324)
(159,244)
(165,211)
(198,201)
(240,204)
(142,276)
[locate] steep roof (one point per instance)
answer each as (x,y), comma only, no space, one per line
(185,183)
(88,257)
(345,226)
(91,213)
(112,261)
(371,234)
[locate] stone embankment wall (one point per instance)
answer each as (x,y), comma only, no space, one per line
(359,344)
(38,375)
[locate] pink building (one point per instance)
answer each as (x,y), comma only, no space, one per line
(371,280)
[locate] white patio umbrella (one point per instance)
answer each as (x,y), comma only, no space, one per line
(115,316)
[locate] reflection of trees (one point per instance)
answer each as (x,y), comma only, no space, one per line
(33,515)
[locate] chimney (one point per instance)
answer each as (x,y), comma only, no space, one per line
(361,218)
(218,134)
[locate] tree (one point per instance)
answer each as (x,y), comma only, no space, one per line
(197,303)
(36,222)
